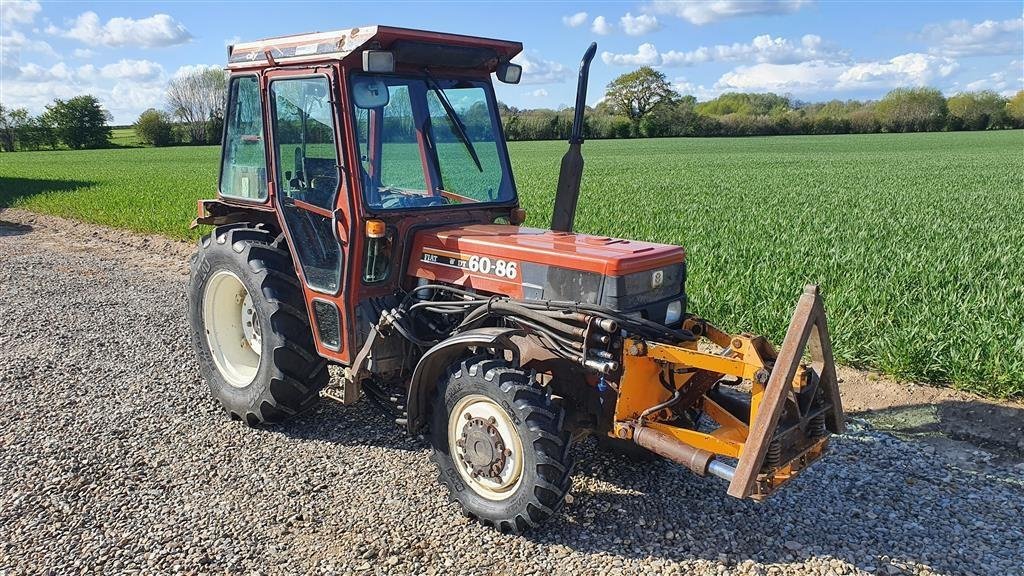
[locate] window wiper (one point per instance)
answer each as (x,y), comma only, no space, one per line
(460,128)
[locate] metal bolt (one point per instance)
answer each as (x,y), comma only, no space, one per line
(737,343)
(491,420)
(507,452)
(469,416)
(761,376)
(461,442)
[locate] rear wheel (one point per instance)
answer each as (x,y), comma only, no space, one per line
(500,444)
(249,326)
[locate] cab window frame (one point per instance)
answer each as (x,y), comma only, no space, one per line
(498,128)
(342,180)
(228,109)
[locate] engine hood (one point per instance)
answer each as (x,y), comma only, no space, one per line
(522,262)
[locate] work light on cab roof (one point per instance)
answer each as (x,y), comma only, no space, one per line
(367,216)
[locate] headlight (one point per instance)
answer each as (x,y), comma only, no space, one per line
(674,312)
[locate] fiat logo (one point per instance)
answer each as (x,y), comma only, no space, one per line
(658,278)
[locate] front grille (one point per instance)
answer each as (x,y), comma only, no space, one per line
(637,290)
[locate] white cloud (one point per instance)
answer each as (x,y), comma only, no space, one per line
(702,12)
(140,70)
(804,77)
(193,68)
(539,93)
(762,48)
(997,82)
(35,73)
(817,76)
(575,20)
(699,91)
(907,69)
(537,70)
(601,26)
(639,25)
(15,12)
(83,53)
(646,55)
(14,43)
(125,88)
(155,31)
(961,38)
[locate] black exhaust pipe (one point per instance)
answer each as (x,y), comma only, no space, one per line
(568,192)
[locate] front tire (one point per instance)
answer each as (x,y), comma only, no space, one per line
(249,326)
(500,444)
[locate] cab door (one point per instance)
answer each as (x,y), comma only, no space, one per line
(311,195)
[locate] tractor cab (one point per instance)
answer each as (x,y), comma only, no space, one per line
(357,138)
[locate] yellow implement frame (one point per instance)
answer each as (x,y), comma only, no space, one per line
(778,431)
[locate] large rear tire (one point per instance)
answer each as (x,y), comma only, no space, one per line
(249,326)
(500,444)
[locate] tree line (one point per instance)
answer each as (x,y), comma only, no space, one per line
(639,104)
(194,114)
(643,104)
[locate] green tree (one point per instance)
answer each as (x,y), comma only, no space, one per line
(154,127)
(35,134)
(976,111)
(12,120)
(912,110)
(671,119)
(1015,109)
(635,94)
(745,104)
(79,122)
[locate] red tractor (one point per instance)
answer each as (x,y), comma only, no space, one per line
(367,217)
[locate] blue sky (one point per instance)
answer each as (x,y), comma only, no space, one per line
(125,52)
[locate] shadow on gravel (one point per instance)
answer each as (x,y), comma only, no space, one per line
(362,424)
(13,228)
(992,427)
(14,189)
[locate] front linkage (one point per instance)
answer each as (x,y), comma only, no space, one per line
(779,426)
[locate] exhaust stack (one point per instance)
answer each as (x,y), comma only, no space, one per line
(568,191)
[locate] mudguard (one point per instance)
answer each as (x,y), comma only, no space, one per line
(433,364)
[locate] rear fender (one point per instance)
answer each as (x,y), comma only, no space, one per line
(218,213)
(436,361)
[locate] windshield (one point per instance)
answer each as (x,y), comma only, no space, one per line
(428,141)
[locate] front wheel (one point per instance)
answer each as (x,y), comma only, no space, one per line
(500,444)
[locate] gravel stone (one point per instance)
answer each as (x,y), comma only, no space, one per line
(114,458)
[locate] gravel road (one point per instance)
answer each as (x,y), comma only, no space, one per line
(113,458)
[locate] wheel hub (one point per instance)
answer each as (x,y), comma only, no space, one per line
(251,325)
(483,449)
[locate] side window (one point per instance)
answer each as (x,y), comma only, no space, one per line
(243,171)
(304,136)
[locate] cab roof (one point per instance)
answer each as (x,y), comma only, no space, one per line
(410,46)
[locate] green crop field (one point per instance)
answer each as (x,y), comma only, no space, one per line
(916,239)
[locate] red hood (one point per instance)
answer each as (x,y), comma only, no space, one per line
(600,254)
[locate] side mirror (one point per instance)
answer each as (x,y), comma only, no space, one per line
(509,73)
(370,93)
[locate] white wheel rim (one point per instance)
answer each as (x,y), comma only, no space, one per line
(478,406)
(232,328)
